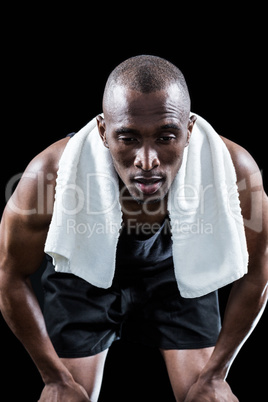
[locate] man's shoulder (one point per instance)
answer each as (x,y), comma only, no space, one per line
(47,161)
(32,202)
(244,163)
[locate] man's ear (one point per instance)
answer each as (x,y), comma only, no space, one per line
(102,130)
(190,127)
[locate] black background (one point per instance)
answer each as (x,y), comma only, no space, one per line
(54,66)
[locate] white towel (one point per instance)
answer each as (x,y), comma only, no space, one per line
(209,245)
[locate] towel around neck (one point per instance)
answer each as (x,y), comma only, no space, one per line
(209,245)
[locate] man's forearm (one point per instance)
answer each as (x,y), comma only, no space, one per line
(245,305)
(22,313)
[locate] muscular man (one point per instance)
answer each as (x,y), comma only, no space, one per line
(146,126)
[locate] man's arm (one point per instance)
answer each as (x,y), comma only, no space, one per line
(23,233)
(248,295)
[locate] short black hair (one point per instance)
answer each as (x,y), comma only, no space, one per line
(146,74)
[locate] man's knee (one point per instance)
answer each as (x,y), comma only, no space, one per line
(88,372)
(184,367)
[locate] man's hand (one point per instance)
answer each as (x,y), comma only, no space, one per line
(213,391)
(56,392)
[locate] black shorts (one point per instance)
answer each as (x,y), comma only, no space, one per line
(141,306)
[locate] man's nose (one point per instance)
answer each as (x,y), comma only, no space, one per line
(146,158)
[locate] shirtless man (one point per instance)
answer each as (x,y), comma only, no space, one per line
(146,127)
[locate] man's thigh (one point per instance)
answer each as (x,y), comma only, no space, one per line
(183,368)
(88,372)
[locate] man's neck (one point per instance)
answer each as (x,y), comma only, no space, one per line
(144,217)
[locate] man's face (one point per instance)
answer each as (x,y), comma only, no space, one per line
(146,135)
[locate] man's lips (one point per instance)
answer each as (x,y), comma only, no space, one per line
(148,185)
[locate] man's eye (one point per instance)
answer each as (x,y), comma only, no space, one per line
(166,138)
(128,139)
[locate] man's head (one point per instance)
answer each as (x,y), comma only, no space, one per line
(146,124)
